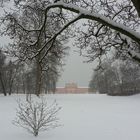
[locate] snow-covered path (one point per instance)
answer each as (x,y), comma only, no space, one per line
(83,117)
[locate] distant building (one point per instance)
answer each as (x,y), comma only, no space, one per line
(72,88)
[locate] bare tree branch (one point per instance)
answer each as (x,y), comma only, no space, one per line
(85,14)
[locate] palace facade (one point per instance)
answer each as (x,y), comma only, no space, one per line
(72,88)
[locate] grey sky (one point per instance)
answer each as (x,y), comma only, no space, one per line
(76,70)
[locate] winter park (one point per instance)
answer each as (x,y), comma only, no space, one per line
(69,69)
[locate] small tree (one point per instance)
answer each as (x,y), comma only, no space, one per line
(36,116)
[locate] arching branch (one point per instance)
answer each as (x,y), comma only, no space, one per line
(98,17)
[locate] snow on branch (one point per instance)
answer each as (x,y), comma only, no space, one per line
(55,35)
(85,14)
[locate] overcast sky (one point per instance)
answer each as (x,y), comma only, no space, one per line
(76,70)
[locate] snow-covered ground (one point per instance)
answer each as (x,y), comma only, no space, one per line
(83,117)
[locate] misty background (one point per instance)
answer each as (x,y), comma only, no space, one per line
(76,69)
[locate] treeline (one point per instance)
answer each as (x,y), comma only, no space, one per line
(18,77)
(116,78)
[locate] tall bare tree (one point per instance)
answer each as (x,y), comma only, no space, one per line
(28,43)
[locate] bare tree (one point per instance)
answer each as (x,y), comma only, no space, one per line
(36,116)
(104,78)
(117,78)
(32,17)
(108,24)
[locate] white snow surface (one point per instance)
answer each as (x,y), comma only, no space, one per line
(83,117)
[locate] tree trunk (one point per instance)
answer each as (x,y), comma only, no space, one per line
(38,78)
(2,84)
(11,86)
(23,87)
(17,88)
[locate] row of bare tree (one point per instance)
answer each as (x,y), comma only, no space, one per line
(117,78)
(16,77)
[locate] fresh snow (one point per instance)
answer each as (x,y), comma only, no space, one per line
(83,117)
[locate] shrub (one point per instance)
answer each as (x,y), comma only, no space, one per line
(36,116)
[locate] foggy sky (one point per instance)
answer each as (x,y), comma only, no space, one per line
(76,70)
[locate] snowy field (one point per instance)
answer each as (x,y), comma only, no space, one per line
(83,117)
